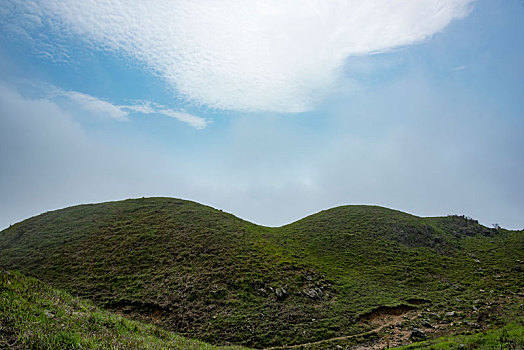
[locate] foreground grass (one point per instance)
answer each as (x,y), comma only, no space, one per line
(510,336)
(34,315)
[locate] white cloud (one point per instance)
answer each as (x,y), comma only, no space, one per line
(147,107)
(144,107)
(259,55)
(96,105)
(196,122)
(121,112)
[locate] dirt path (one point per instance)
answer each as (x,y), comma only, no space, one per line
(381,320)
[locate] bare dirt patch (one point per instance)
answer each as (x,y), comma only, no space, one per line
(382,319)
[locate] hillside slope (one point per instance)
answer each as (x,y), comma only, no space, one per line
(207,274)
(35,316)
(511,336)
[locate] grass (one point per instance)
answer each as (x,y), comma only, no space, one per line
(510,336)
(34,315)
(206,274)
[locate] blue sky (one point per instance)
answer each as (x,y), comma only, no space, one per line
(270,110)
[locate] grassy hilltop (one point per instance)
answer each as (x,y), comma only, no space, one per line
(348,275)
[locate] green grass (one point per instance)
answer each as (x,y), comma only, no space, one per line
(34,315)
(510,336)
(209,275)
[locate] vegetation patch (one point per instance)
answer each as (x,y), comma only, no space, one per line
(510,336)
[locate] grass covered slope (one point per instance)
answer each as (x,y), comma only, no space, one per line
(328,278)
(511,336)
(34,315)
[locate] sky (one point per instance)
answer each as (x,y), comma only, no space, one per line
(270,110)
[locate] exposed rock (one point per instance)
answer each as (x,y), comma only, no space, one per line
(450,314)
(425,323)
(418,334)
(314,293)
(281,293)
(435,315)
(472,324)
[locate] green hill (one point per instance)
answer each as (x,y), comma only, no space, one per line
(343,276)
(36,316)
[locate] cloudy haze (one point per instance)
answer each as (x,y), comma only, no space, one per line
(269,110)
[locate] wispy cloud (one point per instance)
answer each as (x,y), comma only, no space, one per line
(260,55)
(146,107)
(121,112)
(96,105)
(458,68)
(196,122)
